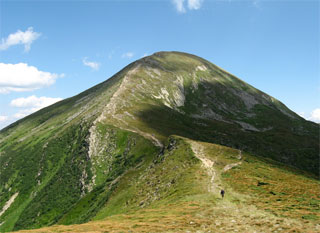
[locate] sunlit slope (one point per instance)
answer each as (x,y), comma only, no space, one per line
(175,93)
(62,164)
(179,191)
(44,158)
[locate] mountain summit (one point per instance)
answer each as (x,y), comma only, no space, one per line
(145,138)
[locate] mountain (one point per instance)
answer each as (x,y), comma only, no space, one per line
(155,143)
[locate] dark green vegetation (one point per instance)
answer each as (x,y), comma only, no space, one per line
(110,152)
(170,193)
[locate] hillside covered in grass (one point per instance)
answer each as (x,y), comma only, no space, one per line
(150,148)
(179,191)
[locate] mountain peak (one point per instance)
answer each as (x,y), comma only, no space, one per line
(160,90)
(135,128)
(173,57)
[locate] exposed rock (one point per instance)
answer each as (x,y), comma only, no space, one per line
(201,68)
(248,99)
(8,203)
(247,126)
(232,165)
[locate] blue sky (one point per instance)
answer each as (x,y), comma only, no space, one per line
(50,50)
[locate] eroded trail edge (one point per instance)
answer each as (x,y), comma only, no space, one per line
(198,150)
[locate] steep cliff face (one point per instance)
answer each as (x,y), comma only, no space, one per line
(63,163)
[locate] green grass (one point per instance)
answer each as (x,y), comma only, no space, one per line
(28,148)
(284,191)
(146,200)
(45,155)
(156,181)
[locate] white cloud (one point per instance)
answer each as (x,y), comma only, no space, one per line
(4,121)
(179,4)
(3,118)
(26,38)
(33,101)
(32,104)
(22,113)
(22,77)
(92,64)
(127,55)
(315,115)
(194,4)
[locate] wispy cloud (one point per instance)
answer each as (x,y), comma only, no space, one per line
(31,104)
(179,4)
(192,5)
(127,55)
(25,38)
(22,114)
(3,118)
(315,115)
(91,64)
(22,77)
(33,101)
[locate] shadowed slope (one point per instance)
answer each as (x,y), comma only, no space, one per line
(176,93)
(97,154)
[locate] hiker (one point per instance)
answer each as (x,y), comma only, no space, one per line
(222,193)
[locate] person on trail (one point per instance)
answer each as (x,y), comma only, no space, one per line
(222,193)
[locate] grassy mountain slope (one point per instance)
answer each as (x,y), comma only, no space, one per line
(177,191)
(174,93)
(105,152)
(45,150)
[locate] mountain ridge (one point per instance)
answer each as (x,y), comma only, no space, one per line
(84,147)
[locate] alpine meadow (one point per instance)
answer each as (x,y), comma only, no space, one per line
(149,150)
(160,116)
